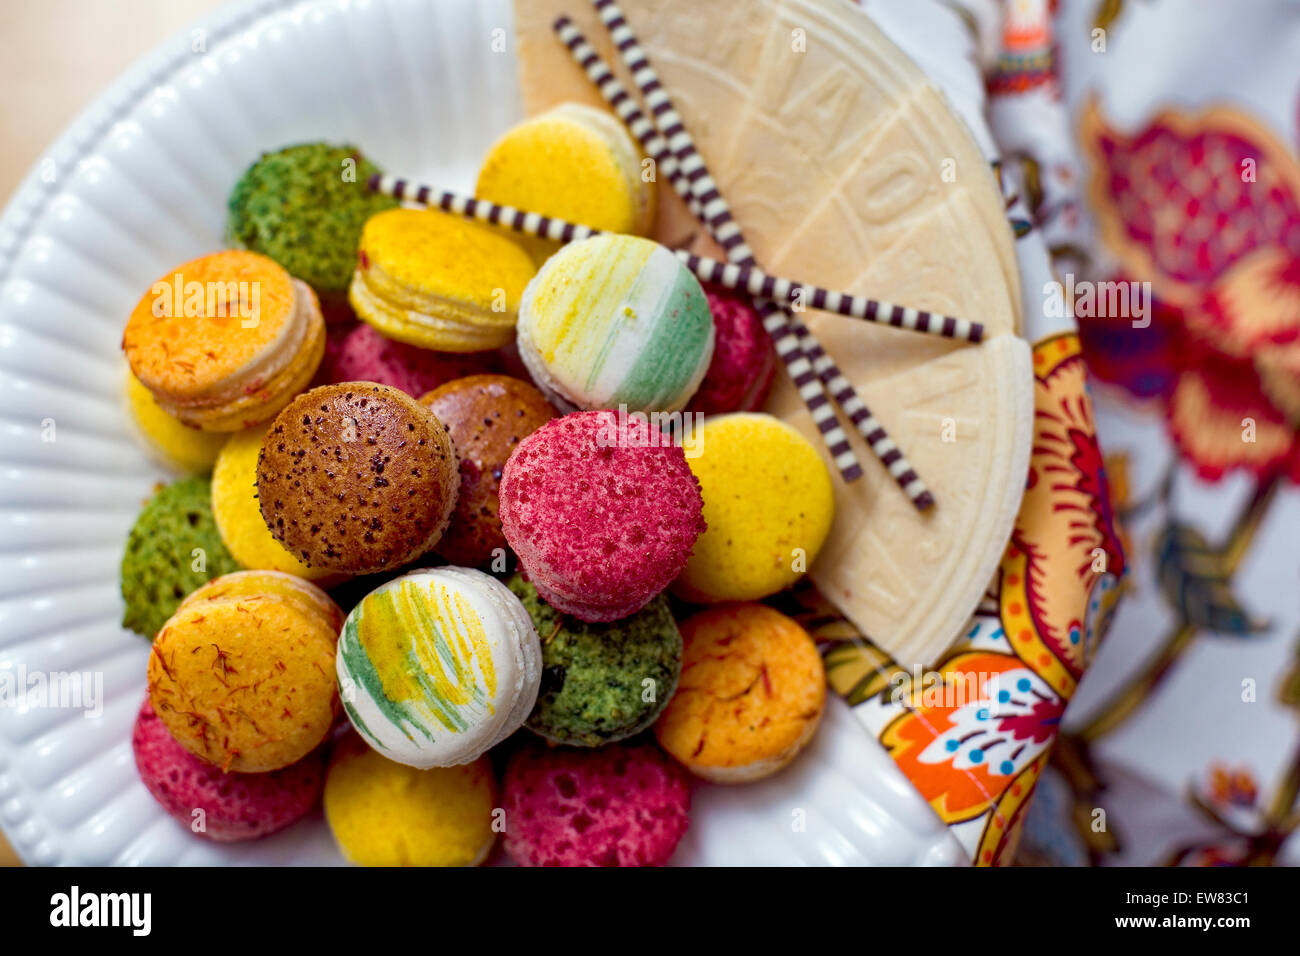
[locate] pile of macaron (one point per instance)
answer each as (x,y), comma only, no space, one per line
(472,532)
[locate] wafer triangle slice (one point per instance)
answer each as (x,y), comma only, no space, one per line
(846,167)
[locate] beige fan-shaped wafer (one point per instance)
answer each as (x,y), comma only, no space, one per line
(845,166)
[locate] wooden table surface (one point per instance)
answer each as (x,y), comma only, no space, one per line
(59,55)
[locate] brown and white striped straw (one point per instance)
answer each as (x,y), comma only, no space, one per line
(729,275)
(750,278)
(674,150)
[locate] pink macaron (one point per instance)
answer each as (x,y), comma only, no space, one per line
(616,806)
(744,362)
(363,355)
(602,511)
(335,336)
(236,806)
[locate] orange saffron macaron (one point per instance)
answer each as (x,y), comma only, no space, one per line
(751,694)
(224,341)
(243,674)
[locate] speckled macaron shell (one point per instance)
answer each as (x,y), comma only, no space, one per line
(601,682)
(743,367)
(575,162)
(168,440)
(616,321)
(437,666)
(384,813)
(243,673)
(487,416)
(224,341)
(173,548)
(602,511)
(768,502)
(357,477)
(617,806)
(238,514)
(751,694)
(235,806)
(438,281)
(304,206)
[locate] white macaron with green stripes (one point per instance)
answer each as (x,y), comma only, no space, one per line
(438,666)
(613,321)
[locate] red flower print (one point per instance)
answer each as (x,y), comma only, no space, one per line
(1205,206)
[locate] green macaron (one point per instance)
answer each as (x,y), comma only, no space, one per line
(601,682)
(304,206)
(173,548)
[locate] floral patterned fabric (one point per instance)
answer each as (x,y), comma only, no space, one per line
(1147,146)
(976,731)
(1182,744)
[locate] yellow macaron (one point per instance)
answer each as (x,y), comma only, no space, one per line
(575,162)
(237,512)
(243,673)
(224,341)
(384,813)
(438,281)
(177,444)
(768,503)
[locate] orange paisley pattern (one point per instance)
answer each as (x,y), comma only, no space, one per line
(974,735)
(1065,535)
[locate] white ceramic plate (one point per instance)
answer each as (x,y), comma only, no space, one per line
(137,184)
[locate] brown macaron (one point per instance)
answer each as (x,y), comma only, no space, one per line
(357,477)
(487,415)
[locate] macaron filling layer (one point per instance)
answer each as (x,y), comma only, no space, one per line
(263,386)
(411,317)
(438,281)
